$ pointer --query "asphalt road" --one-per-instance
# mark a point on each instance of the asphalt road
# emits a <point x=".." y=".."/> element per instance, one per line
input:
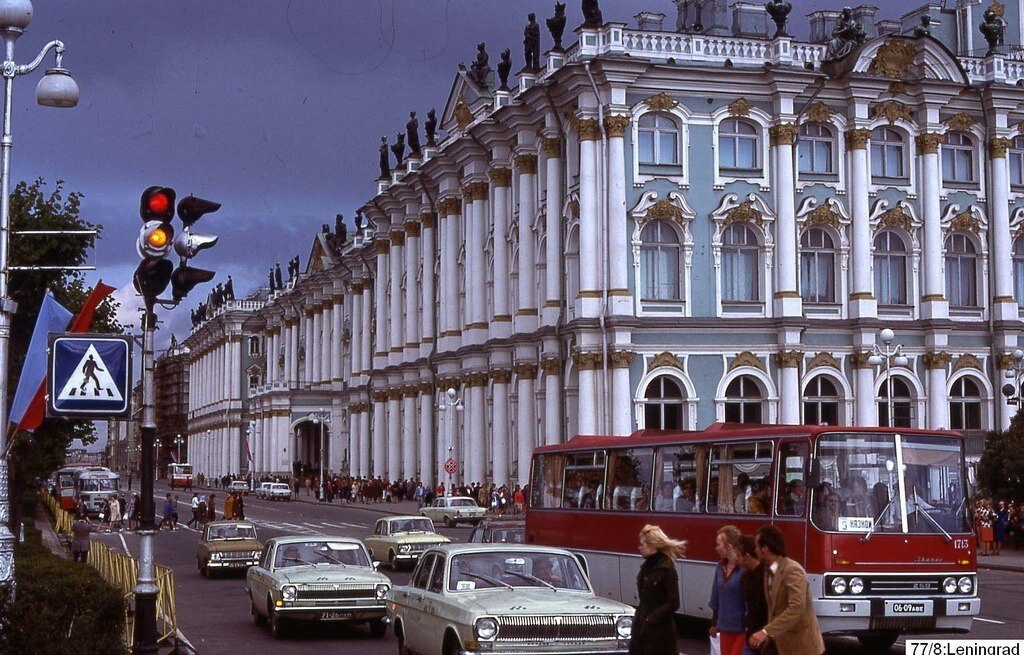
<point x="213" y="614"/>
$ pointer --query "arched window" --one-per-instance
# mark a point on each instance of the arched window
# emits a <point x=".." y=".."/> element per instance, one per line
<point x="740" y="255"/>
<point x="888" y="153"/>
<point x="1016" y="156"/>
<point x="659" y="262"/>
<point x="1018" y="270"/>
<point x="814" y="152"/>
<point x="902" y="404"/>
<point x="890" y="269"/>
<point x="254" y="346"/>
<point x="743" y="401"/>
<point x="957" y="158"/>
<point x="961" y="271"/>
<point x="817" y="266"/>
<point x="663" y="404"/>
<point x="658" y="139"/>
<point x="821" y="402"/>
<point x="965" y="405"/>
<point x="737" y="145"/>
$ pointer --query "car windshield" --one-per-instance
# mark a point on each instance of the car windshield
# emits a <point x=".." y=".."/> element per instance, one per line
<point x="859" y="488"/>
<point x="505" y="569"/>
<point x="320" y="552"/>
<point x="411" y="525"/>
<point x="279" y="486"/>
<point x="508" y="535"/>
<point x="462" y="502"/>
<point x="240" y="531"/>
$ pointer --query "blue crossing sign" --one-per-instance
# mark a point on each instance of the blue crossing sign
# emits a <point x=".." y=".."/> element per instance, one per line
<point x="89" y="376"/>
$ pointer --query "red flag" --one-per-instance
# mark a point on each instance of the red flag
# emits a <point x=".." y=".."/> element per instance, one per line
<point x="36" y="410"/>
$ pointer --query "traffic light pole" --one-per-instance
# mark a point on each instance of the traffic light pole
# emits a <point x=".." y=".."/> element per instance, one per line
<point x="144" y="639"/>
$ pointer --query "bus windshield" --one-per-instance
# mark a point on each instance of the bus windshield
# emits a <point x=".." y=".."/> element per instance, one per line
<point x="180" y="469"/>
<point x="98" y="484"/>
<point x="859" y="488"/>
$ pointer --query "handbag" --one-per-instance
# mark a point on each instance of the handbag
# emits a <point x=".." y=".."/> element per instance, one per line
<point x="715" y="644"/>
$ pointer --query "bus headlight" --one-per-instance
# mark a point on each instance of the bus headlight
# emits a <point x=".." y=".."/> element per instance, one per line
<point x="288" y="592"/>
<point x="965" y="584"/>
<point x="486" y="628"/>
<point x="856" y="585"/>
<point x="839" y="586"/>
<point x="382" y="590"/>
<point x="949" y="585"/>
<point x="624" y="627"/>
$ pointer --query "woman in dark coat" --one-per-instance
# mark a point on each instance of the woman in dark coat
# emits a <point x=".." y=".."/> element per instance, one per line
<point x="657" y="585"/>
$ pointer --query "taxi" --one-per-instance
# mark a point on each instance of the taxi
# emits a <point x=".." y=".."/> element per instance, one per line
<point x="400" y="540"/>
<point x="452" y="510"/>
<point x="508" y="599"/>
<point x="227" y="546"/>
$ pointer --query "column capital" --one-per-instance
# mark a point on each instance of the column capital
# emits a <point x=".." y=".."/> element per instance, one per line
<point x="381" y="245"/>
<point x="500" y="177"/>
<point x="412" y="228"/>
<point x="1005" y="361"/>
<point x="426" y="388"/>
<point x="928" y="143"/>
<point x="525" y="371"/>
<point x="551" y="366"/>
<point x="393" y="394"/>
<point x="475" y="380"/>
<point x="857" y="139"/>
<point x="411" y="391"/>
<point x="788" y="358"/>
<point x="475" y="191"/>
<point x="621" y="358"/>
<point x="937" y="360"/>
<point x="782" y="134"/>
<point x="526" y="164"/>
<point x="501" y="376"/>
<point x="397" y="237"/>
<point x="615" y="125"/>
<point x="551" y="146"/>
<point x="587" y="361"/>
<point x="860" y="360"/>
<point x="379" y="396"/>
<point x="998" y="146"/>
<point x="450" y="206"/>
<point x="589" y="129"/>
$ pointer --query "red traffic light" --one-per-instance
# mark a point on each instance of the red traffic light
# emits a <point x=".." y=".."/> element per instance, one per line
<point x="157" y="204"/>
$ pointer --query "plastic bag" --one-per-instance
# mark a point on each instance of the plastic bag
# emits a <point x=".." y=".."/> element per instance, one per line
<point x="716" y="645"/>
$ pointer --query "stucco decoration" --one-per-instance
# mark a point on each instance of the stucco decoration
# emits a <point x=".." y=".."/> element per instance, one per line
<point x="463" y="114"/>
<point x="673" y="209"/>
<point x="660" y="102"/>
<point x="902" y="217"/>
<point x="1017" y="222"/>
<point x="789" y="358"/>
<point x="892" y="111"/>
<point x="971" y="220"/>
<point x="937" y="360"/>
<point x="739" y="107"/>
<point x="664" y="360"/>
<point x="829" y="214"/>
<point x="967" y="360"/>
<point x="922" y="58"/>
<point x="823" y="359"/>
<point x="751" y="209"/>
<point x="819" y="112"/>
<point x="746" y="358"/>
<point x="893" y="59"/>
<point x="961" y="122"/>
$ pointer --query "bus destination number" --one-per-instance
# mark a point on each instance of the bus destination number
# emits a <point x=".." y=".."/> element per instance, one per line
<point x="908" y="608"/>
<point x="961" y="544"/>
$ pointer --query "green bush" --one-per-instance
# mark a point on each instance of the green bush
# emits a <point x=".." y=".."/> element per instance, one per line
<point x="62" y="607"/>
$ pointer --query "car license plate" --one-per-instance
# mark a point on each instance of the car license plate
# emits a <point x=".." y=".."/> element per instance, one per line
<point x="334" y="616"/>
<point x="907" y="608"/>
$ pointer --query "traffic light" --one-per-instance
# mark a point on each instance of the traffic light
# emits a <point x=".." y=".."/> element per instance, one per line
<point x="156" y="209"/>
<point x="188" y="244"/>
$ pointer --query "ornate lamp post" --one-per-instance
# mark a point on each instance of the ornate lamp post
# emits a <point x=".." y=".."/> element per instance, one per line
<point x="319" y="419"/>
<point x="1015" y="372"/>
<point x="448" y="402"/>
<point x="56" y="89"/>
<point x="178" y="440"/>
<point x="888" y="355"/>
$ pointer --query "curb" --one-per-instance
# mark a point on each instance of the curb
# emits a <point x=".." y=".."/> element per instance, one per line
<point x="1002" y="567"/>
<point x="375" y="507"/>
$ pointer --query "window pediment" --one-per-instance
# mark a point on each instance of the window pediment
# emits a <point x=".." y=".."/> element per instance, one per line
<point x="971" y="220"/>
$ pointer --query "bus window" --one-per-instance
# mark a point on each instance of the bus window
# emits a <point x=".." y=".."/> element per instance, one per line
<point x="629" y="479"/>
<point x="546" y="485"/>
<point x="682" y="476"/>
<point x="792" y="489"/>
<point x="740" y="482"/>
<point x="583" y="487"/>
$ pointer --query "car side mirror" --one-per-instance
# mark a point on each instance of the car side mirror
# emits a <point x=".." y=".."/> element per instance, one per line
<point x="376" y="565"/>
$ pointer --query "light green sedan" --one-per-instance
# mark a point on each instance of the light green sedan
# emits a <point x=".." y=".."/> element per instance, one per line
<point x="317" y="578"/>
<point x="400" y="540"/>
<point x="452" y="510"/>
<point x="505" y="599"/>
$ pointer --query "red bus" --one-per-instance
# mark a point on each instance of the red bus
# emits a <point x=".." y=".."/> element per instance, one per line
<point x="880" y="562"/>
<point x="63" y="486"/>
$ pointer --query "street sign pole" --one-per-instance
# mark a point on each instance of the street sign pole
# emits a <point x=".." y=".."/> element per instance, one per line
<point x="145" y="634"/>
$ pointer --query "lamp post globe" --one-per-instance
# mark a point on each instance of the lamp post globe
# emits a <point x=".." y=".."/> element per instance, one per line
<point x="886" y="335"/>
<point x="15" y="14"/>
<point x="57" y="89"/>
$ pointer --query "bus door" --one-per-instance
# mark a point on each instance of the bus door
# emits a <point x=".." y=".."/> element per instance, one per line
<point x="792" y="492"/>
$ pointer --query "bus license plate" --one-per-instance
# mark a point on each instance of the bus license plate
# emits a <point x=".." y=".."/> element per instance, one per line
<point x="334" y="616"/>
<point x="903" y="608"/>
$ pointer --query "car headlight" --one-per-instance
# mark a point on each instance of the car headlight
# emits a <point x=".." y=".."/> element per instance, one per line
<point x="949" y="585"/>
<point x="486" y="628"/>
<point x="965" y="584"/>
<point x="856" y="585"/>
<point x="382" y="590"/>
<point x="216" y="555"/>
<point x="288" y="592"/>
<point x="254" y="554"/>
<point x="624" y="626"/>
<point x="404" y="548"/>
<point x="839" y="586"/>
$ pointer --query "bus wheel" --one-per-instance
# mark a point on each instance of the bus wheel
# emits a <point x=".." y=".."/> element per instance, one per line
<point x="880" y="641"/>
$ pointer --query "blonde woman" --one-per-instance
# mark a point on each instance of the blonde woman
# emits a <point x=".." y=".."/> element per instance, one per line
<point x="657" y="586"/>
<point x="727" y="621"/>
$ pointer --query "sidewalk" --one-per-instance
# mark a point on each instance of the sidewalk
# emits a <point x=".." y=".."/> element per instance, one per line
<point x="403" y="508"/>
<point x="1008" y="560"/>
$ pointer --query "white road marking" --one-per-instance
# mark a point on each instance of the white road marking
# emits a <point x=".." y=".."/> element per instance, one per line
<point x="978" y="618"/>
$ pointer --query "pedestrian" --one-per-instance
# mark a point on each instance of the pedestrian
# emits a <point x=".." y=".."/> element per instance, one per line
<point x="115" y="513"/>
<point x="135" y="512"/>
<point x="240" y="508"/>
<point x="174" y="512"/>
<point x="168" y="515"/>
<point x="80" y="531"/>
<point x="792" y="624"/>
<point x="999" y="525"/>
<point x="229" y="506"/>
<point x="727" y="604"/>
<point x="211" y="508"/>
<point x="104" y="515"/>
<point x="129" y="482"/>
<point x="657" y="585"/>
<point x="194" y="521"/>
<point x="754" y="602"/>
<point x="202" y="510"/>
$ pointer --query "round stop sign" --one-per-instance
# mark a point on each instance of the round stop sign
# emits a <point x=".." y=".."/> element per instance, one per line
<point x="451" y="466"/>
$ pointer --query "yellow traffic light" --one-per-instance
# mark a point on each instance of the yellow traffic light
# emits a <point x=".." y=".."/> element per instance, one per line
<point x="158" y="238"/>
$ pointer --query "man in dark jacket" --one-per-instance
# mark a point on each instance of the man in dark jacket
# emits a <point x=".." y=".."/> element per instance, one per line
<point x="80" y="531"/>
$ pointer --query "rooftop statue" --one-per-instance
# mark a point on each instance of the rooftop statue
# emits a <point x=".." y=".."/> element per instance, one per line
<point x="846" y="35"/>
<point x="430" y="125"/>
<point x="993" y="27"/>
<point x="531" y="45"/>
<point x="779" y="11"/>
<point x="924" y="29"/>
<point x="277" y="276"/>
<point x="385" y="167"/>
<point x="592" y="16"/>
<point x="480" y="69"/>
<point x="412" y="135"/>
<point x="504" y="66"/>
<point x="556" y="25"/>
<point x="398" y="150"/>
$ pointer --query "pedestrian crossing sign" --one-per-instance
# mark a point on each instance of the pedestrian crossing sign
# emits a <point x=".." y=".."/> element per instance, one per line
<point x="89" y="376"/>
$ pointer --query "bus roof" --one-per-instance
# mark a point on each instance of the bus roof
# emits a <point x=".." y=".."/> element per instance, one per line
<point x="724" y="431"/>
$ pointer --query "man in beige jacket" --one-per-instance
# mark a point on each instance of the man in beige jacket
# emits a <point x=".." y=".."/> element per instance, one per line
<point x="792" y="625"/>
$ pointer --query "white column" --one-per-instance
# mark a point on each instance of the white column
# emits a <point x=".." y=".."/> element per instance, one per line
<point x="380" y="431"/>
<point x="787" y="298"/>
<point x="357" y="331"/>
<point x="552" y="147"/>
<point x="451" y="291"/>
<point x="789" y="387"/>
<point x="289" y="354"/>
<point x="938" y="399"/>
<point x="412" y="292"/>
<point x="622" y="399"/>
<point x="501" y="181"/>
<point x="394" y="424"/>
<point x="473" y="249"/>
<point x="553" y="393"/>
<point x="476" y="431"/>
<point x="354" y="419"/>
<point x="396" y="324"/>
<point x="308" y="351"/>
<point x="864" y="391"/>
<point x="313" y="346"/>
<point x="588" y="364"/>
<point x="380" y="303"/>
<point x="426" y="436"/>
<point x="427" y="327"/>
<point x="236" y="369"/>
<point x="409" y="425"/>
<point x="933" y="303"/>
<point x="1004" y="305"/>
<point x="526" y="312"/>
<point x="500" y="424"/>
<point x="618" y="233"/>
<point x="526" y="418"/>
<point x="366" y="320"/>
<point x="862" y="297"/>
<point x="590" y="132"/>
<point x="324" y="334"/>
<point x="365" y="441"/>
<point x="337" y="351"/>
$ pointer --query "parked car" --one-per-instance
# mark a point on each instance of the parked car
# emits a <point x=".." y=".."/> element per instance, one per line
<point x="452" y="510"/>
<point x="400" y="539"/>
<point x="317" y="578"/>
<point x="274" y="491"/>
<point x="227" y="546"/>
<point x="499" y="531"/>
<point x="240" y="486"/>
<point x="459" y="600"/>
<point x="261" y="489"/>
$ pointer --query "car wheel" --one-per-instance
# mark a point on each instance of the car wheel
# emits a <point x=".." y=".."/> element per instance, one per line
<point x="257" y="618"/>
<point x="402" y="648"/>
<point x="392" y="560"/>
<point x="448" y="522"/>
<point x="204" y="570"/>
<point x="278" y="625"/>
<point x="378" y="628"/>
<point x="879" y="642"/>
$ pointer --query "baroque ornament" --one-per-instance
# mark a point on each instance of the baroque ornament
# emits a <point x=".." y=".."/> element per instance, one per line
<point x="744" y="213"/>
<point x="960" y="122"/>
<point x="823" y="359"/>
<point x="621" y="358"/>
<point x="739" y="107"/>
<point x="857" y="139"/>
<point x="589" y="129"/>
<point x="928" y="143"/>
<point x="660" y="102"/>
<point x="998" y="146"/>
<point x="788" y="358"/>
<point x="616" y="125"/>
<point x="664" y="360"/>
<point x="463" y="115"/>
<point x="891" y="111"/>
<point x="526" y="164"/>
<point x="500" y="177"/>
<point x="895" y="217"/>
<point x="967" y="360"/>
<point x="823" y="215"/>
<point x="937" y="360"/>
<point x="450" y="206"/>
<point x="893" y="59"/>
<point x="782" y="134"/>
<point x="860" y="360"/>
<point x="551" y="146"/>
<point x="664" y="210"/>
<point x="746" y="358"/>
<point x="819" y="112"/>
<point x="965" y="222"/>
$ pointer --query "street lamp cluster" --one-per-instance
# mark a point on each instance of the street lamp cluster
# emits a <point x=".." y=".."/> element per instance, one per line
<point x="1016" y="373"/>
<point x="320" y="419"/>
<point x="888" y="356"/>
<point x="450" y="401"/>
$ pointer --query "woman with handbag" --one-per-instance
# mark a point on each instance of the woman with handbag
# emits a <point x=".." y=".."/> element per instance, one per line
<point x="727" y="604"/>
<point x="657" y="585"/>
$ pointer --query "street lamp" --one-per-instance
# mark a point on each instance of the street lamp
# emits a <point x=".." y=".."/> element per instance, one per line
<point x="320" y="419"/>
<point x="1015" y="372"/>
<point x="888" y="356"/>
<point x="178" y="440"/>
<point x="448" y="400"/>
<point x="56" y="89"/>
<point x="156" y="459"/>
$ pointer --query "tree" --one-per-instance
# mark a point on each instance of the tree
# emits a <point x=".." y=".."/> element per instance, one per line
<point x="34" y="456"/>
<point x="1001" y="469"/>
